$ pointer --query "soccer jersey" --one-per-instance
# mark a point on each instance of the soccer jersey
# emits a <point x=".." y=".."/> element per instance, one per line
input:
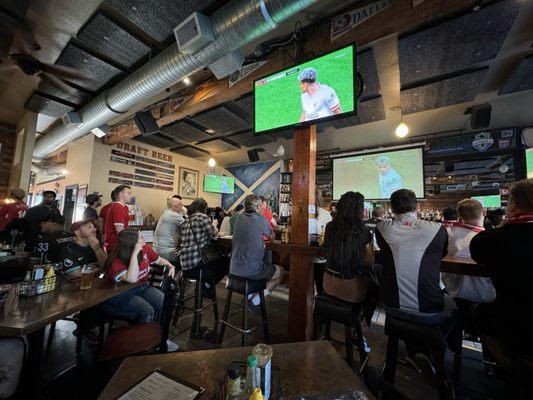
<point x="411" y="253"/>
<point x="389" y="183"/>
<point x="320" y="104"/>
<point x="118" y="269"/>
<point x="117" y="213"/>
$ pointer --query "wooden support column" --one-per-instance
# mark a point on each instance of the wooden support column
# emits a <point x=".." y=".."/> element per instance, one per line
<point x="300" y="326"/>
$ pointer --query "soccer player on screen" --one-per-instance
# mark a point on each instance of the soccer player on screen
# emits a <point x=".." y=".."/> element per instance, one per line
<point x="318" y="100"/>
<point x="389" y="179"/>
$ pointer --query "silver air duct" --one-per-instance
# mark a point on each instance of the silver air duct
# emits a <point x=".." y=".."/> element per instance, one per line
<point x="234" y="25"/>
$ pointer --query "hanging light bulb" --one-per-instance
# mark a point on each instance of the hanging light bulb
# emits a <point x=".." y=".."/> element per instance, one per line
<point x="212" y="162"/>
<point x="402" y="130"/>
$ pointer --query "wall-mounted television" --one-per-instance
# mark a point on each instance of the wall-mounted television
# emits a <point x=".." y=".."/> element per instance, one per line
<point x="377" y="174"/>
<point x="316" y="90"/>
<point x="529" y="163"/>
<point x="492" y="201"/>
<point x="219" y="184"/>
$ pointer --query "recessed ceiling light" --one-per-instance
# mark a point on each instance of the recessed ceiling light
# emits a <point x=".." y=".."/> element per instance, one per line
<point x="211" y="131"/>
<point x="187" y="80"/>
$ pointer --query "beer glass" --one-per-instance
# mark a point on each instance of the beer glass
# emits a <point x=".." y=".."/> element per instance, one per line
<point x="87" y="274"/>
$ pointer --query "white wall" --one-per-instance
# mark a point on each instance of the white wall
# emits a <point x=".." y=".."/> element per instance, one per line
<point x="150" y="200"/>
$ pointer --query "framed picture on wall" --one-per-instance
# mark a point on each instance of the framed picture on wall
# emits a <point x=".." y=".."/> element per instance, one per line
<point x="188" y="183"/>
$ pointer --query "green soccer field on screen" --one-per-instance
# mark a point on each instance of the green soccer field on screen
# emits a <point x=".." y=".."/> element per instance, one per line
<point x="313" y="90"/>
<point x="529" y="162"/>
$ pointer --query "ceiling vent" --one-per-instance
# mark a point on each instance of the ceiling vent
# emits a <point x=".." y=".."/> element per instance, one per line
<point x="194" y="34"/>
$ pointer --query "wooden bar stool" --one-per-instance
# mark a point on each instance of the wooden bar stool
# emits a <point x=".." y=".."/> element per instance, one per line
<point x="329" y="308"/>
<point x="198" y="307"/>
<point x="245" y="287"/>
<point x="429" y="337"/>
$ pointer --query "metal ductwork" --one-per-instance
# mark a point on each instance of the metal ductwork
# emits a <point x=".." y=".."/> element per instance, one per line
<point x="234" y="25"/>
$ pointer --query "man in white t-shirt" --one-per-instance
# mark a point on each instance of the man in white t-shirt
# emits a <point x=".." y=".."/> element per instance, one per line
<point x="318" y="100"/>
<point x="471" y="288"/>
<point x="167" y="231"/>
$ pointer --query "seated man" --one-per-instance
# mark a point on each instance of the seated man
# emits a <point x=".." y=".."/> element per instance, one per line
<point x="506" y="254"/>
<point x="471" y="288"/>
<point x="85" y="249"/>
<point x="53" y="238"/>
<point x="166" y="233"/>
<point x="248" y="250"/>
<point x="411" y="253"/>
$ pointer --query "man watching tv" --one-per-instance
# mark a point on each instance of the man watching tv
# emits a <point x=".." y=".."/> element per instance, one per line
<point x="117" y="216"/>
<point x="318" y="100"/>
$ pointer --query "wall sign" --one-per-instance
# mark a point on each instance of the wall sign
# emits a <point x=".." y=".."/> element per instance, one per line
<point x="345" y="22"/>
<point x="473" y="143"/>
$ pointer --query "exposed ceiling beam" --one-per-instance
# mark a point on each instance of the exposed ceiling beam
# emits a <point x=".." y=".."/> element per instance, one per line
<point x="399" y="17"/>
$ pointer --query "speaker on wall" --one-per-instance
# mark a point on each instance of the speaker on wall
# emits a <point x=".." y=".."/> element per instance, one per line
<point x="146" y="123"/>
<point x="253" y="155"/>
<point x="480" y="116"/>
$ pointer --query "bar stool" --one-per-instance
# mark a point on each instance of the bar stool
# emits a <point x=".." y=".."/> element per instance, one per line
<point x="198" y="307"/>
<point x="329" y="308"/>
<point x="429" y="337"/>
<point x="245" y="287"/>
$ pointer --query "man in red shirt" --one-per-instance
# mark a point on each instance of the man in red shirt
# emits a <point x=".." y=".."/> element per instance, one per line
<point x="15" y="210"/>
<point x="117" y="216"/>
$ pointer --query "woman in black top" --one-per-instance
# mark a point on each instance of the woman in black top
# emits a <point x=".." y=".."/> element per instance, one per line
<point x="347" y="246"/>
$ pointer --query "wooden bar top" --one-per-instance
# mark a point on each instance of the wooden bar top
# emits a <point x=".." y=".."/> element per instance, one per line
<point x="20" y="316"/>
<point x="307" y="368"/>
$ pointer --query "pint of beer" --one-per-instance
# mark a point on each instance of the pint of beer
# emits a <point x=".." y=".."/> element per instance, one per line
<point x="87" y="274"/>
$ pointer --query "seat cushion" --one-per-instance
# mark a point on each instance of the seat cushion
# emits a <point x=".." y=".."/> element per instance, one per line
<point x="238" y="284"/>
<point x="330" y="308"/>
<point x="130" y="340"/>
<point x="423" y="335"/>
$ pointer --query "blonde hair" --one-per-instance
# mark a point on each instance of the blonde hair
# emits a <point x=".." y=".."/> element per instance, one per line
<point x="469" y="209"/>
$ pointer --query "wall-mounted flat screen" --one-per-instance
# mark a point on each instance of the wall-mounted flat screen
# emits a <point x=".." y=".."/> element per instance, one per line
<point x="322" y="88"/>
<point x="377" y="175"/>
<point x="493" y="201"/>
<point x="219" y="184"/>
<point x="529" y="163"/>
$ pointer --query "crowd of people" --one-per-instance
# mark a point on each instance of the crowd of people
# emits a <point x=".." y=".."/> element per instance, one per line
<point x="406" y="269"/>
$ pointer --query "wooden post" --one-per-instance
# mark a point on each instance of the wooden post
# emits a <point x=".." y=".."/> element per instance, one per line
<point x="301" y="293"/>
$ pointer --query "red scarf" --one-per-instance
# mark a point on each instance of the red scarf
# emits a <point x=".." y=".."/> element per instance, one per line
<point x="521" y="219"/>
<point x="464" y="225"/>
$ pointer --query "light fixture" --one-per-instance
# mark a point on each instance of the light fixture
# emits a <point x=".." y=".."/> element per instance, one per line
<point x="212" y="163"/>
<point x="101" y="131"/>
<point x="64" y="172"/>
<point x="187" y="80"/>
<point x="402" y="130"/>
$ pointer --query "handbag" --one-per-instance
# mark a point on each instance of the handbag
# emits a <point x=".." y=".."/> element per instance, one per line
<point x="210" y="252"/>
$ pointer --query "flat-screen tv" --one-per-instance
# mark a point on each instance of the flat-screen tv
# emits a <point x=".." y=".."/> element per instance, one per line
<point x="492" y="201"/>
<point x="323" y="88"/>
<point x="529" y="163"/>
<point x="219" y="184"/>
<point x="377" y="174"/>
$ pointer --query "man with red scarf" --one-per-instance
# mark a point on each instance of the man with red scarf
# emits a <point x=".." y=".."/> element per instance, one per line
<point x="507" y="254"/>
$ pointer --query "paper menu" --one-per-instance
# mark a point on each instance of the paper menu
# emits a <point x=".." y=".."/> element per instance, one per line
<point x="157" y="386"/>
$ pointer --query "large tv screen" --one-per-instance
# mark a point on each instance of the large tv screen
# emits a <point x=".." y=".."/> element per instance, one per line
<point x="492" y="201"/>
<point x="377" y="175"/>
<point x="219" y="184"/>
<point x="322" y="88"/>
<point x="529" y="163"/>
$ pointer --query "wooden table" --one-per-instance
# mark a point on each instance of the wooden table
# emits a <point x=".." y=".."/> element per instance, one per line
<point x="462" y="266"/>
<point x="307" y="368"/>
<point x="29" y="316"/>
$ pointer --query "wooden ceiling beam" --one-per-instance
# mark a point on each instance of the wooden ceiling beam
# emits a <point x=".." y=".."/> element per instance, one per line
<point x="399" y="17"/>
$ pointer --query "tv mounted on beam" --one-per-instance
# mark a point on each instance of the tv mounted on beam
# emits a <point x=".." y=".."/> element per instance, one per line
<point x="321" y="89"/>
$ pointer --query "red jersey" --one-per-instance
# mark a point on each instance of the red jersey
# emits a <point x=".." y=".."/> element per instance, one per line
<point x="103" y="212"/>
<point x="117" y="213"/>
<point x="118" y="269"/>
<point x="12" y="211"/>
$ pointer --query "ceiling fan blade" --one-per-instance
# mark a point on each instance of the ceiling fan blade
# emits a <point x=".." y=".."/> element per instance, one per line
<point x="65" y="72"/>
<point x="57" y="82"/>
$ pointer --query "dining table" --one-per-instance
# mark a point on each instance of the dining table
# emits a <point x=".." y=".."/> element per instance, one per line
<point x="29" y="316"/>
<point x="303" y="370"/>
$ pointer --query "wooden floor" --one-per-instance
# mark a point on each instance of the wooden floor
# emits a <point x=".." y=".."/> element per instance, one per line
<point x="87" y="378"/>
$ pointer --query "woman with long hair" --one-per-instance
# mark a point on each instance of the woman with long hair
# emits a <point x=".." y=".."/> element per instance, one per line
<point x="130" y="262"/>
<point x="347" y="246"/>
